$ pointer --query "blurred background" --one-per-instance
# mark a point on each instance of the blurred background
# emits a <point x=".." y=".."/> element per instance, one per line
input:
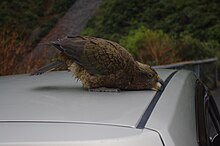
<point x="155" y="32"/>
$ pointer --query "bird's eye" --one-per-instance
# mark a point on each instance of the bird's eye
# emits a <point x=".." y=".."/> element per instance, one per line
<point x="149" y="75"/>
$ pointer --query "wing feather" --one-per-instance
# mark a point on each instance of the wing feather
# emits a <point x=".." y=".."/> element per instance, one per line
<point x="96" y="55"/>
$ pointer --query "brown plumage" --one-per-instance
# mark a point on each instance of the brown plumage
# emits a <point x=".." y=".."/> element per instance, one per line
<point x="102" y="63"/>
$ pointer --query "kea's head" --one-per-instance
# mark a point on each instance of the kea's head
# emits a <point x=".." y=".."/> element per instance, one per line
<point x="148" y="78"/>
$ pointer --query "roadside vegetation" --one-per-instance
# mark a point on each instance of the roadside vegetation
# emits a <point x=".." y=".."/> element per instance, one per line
<point x="160" y="32"/>
<point x="154" y="31"/>
<point x="22" y="25"/>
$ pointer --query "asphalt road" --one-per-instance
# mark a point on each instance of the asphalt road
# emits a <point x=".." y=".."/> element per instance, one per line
<point x="72" y="23"/>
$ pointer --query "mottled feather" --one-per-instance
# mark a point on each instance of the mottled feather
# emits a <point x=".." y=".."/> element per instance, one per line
<point x="102" y="63"/>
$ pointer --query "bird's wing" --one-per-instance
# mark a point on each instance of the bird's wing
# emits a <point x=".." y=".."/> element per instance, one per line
<point x="49" y="67"/>
<point x="73" y="47"/>
<point x="97" y="56"/>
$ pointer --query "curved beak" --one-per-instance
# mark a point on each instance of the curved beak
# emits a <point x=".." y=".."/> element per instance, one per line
<point x="159" y="86"/>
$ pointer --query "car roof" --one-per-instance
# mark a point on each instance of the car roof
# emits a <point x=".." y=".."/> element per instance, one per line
<point x="174" y="114"/>
<point x="58" y="97"/>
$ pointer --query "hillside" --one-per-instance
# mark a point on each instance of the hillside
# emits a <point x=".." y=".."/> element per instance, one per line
<point x="182" y="30"/>
<point x="154" y="31"/>
<point x="197" y="18"/>
<point x="23" y="24"/>
<point x="32" y="19"/>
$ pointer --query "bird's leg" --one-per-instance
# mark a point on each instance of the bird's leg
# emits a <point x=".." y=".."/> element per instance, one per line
<point x="104" y="89"/>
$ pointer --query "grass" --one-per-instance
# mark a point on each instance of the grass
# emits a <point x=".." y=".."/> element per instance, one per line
<point x="12" y="51"/>
<point x="22" y="25"/>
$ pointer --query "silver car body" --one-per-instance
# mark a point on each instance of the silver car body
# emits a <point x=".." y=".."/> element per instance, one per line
<point x="54" y="109"/>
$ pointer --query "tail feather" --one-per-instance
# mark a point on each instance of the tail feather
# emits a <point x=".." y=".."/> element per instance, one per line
<point x="49" y="67"/>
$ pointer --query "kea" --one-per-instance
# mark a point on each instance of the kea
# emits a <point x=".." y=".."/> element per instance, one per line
<point x="102" y="65"/>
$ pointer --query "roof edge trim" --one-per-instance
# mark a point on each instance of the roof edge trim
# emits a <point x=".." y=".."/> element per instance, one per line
<point x="150" y="108"/>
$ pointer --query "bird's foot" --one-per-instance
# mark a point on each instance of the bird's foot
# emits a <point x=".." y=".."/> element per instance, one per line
<point x="103" y="89"/>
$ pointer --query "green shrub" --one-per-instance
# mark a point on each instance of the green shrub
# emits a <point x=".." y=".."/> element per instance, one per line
<point x="193" y="49"/>
<point x="134" y="40"/>
<point x="152" y="47"/>
<point x="200" y="19"/>
<point x="157" y="47"/>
